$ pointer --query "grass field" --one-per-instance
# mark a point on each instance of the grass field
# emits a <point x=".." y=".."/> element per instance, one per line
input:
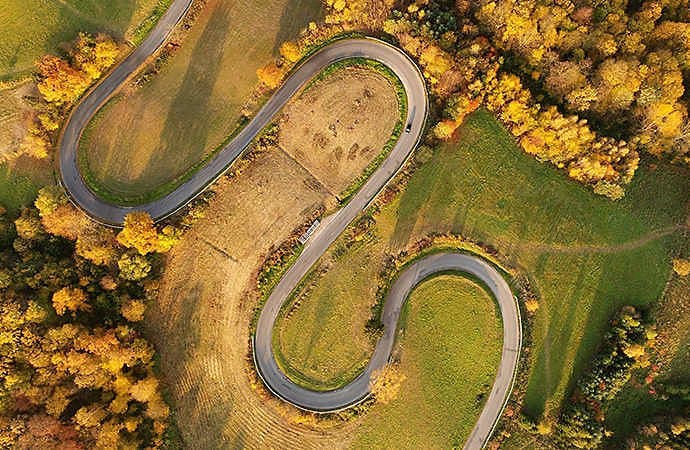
<point x="32" y="28"/>
<point x="450" y="350"/>
<point x="189" y="108"/>
<point x="586" y="255"/>
<point x="200" y="321"/>
<point x="20" y="182"/>
<point x="15" y="190"/>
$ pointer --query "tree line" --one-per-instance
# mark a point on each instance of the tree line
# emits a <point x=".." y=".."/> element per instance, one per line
<point x="586" y="85"/>
<point x="75" y="369"/>
<point x="60" y="81"/>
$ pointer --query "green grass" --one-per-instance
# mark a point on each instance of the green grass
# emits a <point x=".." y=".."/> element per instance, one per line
<point x="320" y="344"/>
<point x="16" y="190"/>
<point x="586" y="255"/>
<point x="32" y="28"/>
<point x="451" y="348"/>
<point x="579" y="248"/>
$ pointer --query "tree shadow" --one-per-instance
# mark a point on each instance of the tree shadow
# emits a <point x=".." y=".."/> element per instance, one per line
<point x="414" y="200"/>
<point x="549" y="366"/>
<point x="186" y="126"/>
<point x="291" y="24"/>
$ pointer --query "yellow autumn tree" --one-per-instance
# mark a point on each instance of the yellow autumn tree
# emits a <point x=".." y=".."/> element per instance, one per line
<point x="386" y="384"/>
<point x="444" y="130"/>
<point x="139" y="232"/>
<point x="60" y="82"/>
<point x="66" y="221"/>
<point x="133" y="310"/>
<point x="35" y="146"/>
<point x="270" y="75"/>
<point x="70" y="299"/>
<point x="93" y="55"/>
<point x="290" y="51"/>
<point x="435" y="62"/>
<point x="97" y="244"/>
<point x="681" y="266"/>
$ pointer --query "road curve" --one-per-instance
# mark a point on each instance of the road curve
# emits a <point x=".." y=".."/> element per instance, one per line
<point x="112" y="214"/>
<point x="331" y="227"/>
<point x="359" y="388"/>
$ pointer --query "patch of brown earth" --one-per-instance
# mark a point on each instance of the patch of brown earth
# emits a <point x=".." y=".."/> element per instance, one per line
<point x="339" y="125"/>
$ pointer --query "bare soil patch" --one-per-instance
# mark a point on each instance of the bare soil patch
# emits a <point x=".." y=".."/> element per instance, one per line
<point x="15" y="112"/>
<point x="335" y="128"/>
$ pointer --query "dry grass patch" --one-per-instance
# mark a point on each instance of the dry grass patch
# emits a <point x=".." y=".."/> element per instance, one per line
<point x="15" y="112"/>
<point x="673" y="322"/>
<point x="340" y="124"/>
<point x="201" y="320"/>
<point x="153" y="135"/>
<point x="200" y="323"/>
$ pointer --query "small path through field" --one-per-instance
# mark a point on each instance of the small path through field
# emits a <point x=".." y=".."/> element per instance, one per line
<point x="415" y="88"/>
<point x="604" y="249"/>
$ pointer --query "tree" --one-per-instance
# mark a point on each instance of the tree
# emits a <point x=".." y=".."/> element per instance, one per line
<point x="35" y="146"/>
<point x="28" y="226"/>
<point x="133" y="310"/>
<point x="133" y="267"/>
<point x="46" y="432"/>
<point x="139" y="233"/>
<point x="168" y="238"/>
<point x="97" y="245"/>
<point x="66" y="221"/>
<point x="564" y="77"/>
<point x="386" y="384"/>
<point x="617" y="81"/>
<point x="60" y="83"/>
<point x="444" y="130"/>
<point x="49" y="199"/>
<point x="290" y="51"/>
<point x="70" y="299"/>
<point x="532" y="305"/>
<point x="436" y="62"/>
<point x="270" y="75"/>
<point x="610" y="190"/>
<point x="681" y="266"/>
<point x="65" y="381"/>
<point x="93" y="55"/>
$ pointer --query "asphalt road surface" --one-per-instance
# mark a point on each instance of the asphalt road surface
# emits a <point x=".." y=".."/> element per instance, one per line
<point x="358" y="389"/>
<point x="330" y="228"/>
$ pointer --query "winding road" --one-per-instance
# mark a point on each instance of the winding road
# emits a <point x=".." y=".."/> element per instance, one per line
<point x="330" y="228"/>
